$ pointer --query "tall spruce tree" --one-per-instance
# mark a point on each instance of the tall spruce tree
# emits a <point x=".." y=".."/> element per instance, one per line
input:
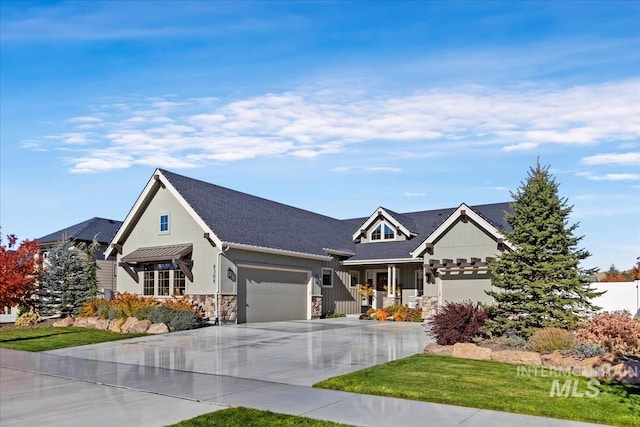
<point x="63" y="289"/>
<point x="540" y="283"/>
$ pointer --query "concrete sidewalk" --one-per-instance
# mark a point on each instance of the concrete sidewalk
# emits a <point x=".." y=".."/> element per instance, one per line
<point x="105" y="384"/>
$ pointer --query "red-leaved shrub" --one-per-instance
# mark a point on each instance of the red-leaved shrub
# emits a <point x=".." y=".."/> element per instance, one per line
<point x="457" y="322"/>
<point x="617" y="332"/>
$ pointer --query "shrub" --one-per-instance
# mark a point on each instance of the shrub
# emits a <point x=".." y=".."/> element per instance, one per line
<point x="550" y="339"/>
<point x="457" y="322"/>
<point x="142" y="312"/>
<point x="27" y="319"/>
<point x="183" y="320"/>
<point x="335" y="315"/>
<point x="516" y="341"/>
<point x="128" y="303"/>
<point x="371" y="311"/>
<point x="92" y="307"/>
<point x="176" y="319"/>
<point x="616" y="332"/>
<point x="103" y="310"/>
<point x="382" y="314"/>
<point x="584" y="351"/>
<point x="402" y="313"/>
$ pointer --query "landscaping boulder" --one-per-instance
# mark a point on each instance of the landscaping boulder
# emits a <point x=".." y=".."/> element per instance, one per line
<point x="115" y="325"/>
<point x="558" y="360"/>
<point x="140" y="327"/>
<point x="158" y="328"/>
<point x="102" y="324"/>
<point x="517" y="357"/>
<point x="471" y="351"/>
<point x="438" y="350"/>
<point x="85" y="322"/>
<point x="127" y="324"/>
<point x="627" y="372"/>
<point x="67" y="321"/>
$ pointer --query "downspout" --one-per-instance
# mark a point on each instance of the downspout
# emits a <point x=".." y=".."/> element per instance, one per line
<point x="218" y="279"/>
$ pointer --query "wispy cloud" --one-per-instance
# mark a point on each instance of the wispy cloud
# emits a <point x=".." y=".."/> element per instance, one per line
<point x="613" y="159"/>
<point x="610" y="176"/>
<point x="309" y="123"/>
<point x="365" y="169"/>
<point x="413" y="194"/>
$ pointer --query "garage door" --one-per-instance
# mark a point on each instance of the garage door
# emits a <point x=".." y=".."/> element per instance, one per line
<point x="457" y="289"/>
<point x="271" y="295"/>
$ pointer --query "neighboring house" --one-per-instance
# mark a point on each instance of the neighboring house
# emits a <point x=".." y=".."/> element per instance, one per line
<point x="103" y="231"/>
<point x="249" y="259"/>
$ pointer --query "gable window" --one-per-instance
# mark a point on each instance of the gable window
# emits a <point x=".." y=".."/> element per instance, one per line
<point x="164" y="223"/>
<point x="355" y="278"/>
<point x="383" y="232"/>
<point x="327" y="277"/>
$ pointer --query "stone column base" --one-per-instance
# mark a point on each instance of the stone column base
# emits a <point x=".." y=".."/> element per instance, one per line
<point x="316" y="306"/>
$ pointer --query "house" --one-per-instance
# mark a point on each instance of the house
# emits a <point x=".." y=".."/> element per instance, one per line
<point x="103" y="231"/>
<point x="249" y="259"/>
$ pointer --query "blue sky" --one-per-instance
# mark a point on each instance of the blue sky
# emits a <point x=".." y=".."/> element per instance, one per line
<point x="335" y="107"/>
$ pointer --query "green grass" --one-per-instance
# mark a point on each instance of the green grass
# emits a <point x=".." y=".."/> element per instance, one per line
<point x="493" y="385"/>
<point x="245" y="417"/>
<point x="50" y="338"/>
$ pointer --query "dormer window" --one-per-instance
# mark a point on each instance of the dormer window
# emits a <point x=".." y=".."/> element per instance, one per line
<point x="383" y="232"/>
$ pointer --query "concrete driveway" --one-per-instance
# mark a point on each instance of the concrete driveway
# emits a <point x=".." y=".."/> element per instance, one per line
<point x="159" y="380"/>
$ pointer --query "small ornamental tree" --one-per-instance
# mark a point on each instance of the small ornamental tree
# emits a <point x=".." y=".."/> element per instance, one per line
<point x="540" y="282"/>
<point x="19" y="272"/>
<point x="63" y="289"/>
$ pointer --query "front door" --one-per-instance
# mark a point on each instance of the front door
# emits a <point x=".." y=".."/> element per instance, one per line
<point x="382" y="280"/>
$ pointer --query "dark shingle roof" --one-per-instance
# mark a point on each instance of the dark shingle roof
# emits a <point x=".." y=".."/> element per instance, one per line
<point x="103" y="230"/>
<point x="426" y="222"/>
<point x="237" y="217"/>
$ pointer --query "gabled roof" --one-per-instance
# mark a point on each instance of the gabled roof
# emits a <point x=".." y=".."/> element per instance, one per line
<point x="400" y="221"/>
<point x="428" y="224"/>
<point x="239" y="220"/>
<point x="101" y="228"/>
<point x="248" y="222"/>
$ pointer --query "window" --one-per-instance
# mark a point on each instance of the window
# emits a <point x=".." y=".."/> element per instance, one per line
<point x="164" y="223"/>
<point x="383" y="232"/>
<point x="420" y="282"/>
<point x="163" y="283"/>
<point x="149" y="283"/>
<point x="179" y="284"/>
<point x="327" y="277"/>
<point x="355" y="278"/>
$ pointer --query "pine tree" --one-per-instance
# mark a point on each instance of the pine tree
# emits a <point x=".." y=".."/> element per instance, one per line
<point x="63" y="289"/>
<point x="91" y="267"/>
<point x="540" y="283"/>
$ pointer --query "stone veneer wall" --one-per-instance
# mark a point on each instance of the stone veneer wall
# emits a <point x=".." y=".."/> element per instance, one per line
<point x="206" y="305"/>
<point x="228" y="304"/>
<point x="316" y="306"/>
<point x="429" y="306"/>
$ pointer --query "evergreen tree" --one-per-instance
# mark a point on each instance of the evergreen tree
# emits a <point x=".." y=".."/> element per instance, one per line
<point x="63" y="289"/>
<point x="91" y="267"/>
<point x="540" y="282"/>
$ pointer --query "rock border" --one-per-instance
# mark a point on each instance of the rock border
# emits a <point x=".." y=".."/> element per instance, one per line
<point x="129" y="326"/>
<point x="608" y="366"/>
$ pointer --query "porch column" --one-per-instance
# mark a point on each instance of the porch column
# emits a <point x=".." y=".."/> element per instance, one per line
<point x="391" y="286"/>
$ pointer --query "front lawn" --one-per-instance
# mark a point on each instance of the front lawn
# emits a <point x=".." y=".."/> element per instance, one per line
<point x="50" y="338"/>
<point x="245" y="417"/>
<point x="496" y="386"/>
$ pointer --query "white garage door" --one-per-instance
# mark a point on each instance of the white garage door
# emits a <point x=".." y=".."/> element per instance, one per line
<point x="271" y="295"/>
<point x="456" y="289"/>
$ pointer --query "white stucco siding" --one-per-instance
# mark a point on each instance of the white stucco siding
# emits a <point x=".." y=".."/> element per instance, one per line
<point x="183" y="229"/>
<point x="464" y="240"/>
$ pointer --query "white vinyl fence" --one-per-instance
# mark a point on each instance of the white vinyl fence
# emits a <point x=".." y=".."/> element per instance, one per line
<point x="619" y="296"/>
